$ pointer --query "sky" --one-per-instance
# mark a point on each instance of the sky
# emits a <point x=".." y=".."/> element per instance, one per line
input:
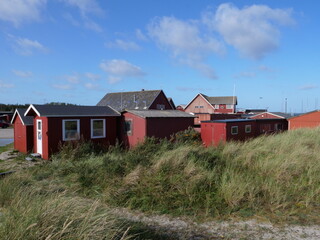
<point x="266" y="53"/>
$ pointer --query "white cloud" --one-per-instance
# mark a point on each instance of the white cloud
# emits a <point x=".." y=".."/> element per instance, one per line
<point x="91" y="86"/>
<point x="140" y="35"/>
<point x="62" y="86"/>
<point x="265" y="68"/>
<point x="184" y="40"/>
<point x="253" y="30"/>
<point x="19" y="11"/>
<point x="92" y="76"/>
<point x="308" y="87"/>
<point x="246" y="75"/>
<point x="85" y="7"/>
<point x="23" y="74"/>
<point x="72" y="78"/>
<point x="125" y="45"/>
<point x="119" y="69"/>
<point x="5" y="85"/>
<point x="25" y="46"/>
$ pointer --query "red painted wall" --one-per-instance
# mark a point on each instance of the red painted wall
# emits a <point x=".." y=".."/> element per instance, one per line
<point x="242" y="135"/>
<point x="199" y="101"/>
<point x="309" y="120"/>
<point x="23" y="136"/>
<point x="213" y="133"/>
<point x="151" y="127"/>
<point x="52" y="132"/>
<point x="267" y="126"/>
<point x="161" y="99"/>
<point x="165" y="127"/>
<point x="138" y="132"/>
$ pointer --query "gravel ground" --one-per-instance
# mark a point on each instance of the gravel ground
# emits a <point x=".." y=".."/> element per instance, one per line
<point x="188" y="230"/>
<point x="6" y="133"/>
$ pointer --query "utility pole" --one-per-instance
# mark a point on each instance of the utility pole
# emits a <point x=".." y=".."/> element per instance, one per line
<point x="285" y="105"/>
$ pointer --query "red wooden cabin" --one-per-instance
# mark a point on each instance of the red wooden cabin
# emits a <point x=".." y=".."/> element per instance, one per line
<point x="22" y="131"/>
<point x="55" y="124"/>
<point x="307" y="120"/>
<point x="136" y="125"/>
<point x="221" y="131"/>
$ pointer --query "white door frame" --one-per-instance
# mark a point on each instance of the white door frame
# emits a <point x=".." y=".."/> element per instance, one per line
<point x="39" y="136"/>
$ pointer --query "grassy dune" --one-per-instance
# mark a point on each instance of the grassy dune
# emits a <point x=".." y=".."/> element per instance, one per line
<point x="274" y="177"/>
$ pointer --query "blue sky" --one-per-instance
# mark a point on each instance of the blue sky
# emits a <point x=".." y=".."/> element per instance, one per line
<point x="78" y="50"/>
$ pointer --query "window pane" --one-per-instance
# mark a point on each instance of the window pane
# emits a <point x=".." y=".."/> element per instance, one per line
<point x="128" y="126"/>
<point x="97" y="128"/>
<point x="71" y="130"/>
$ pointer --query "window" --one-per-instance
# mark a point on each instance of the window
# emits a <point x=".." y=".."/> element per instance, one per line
<point x="278" y="126"/>
<point x="248" y="128"/>
<point x="198" y="106"/>
<point x="98" y="128"/>
<point x="229" y="106"/>
<point x="234" y="130"/>
<point x="70" y="130"/>
<point x="160" y="106"/>
<point x="128" y="127"/>
<point x="216" y="106"/>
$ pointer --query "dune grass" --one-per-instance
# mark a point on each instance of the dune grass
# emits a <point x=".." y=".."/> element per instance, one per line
<point x="274" y="177"/>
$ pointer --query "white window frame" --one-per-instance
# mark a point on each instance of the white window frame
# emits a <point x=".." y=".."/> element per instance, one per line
<point x="245" y="128"/>
<point x="104" y="128"/>
<point x="64" y="131"/>
<point x="229" y="106"/>
<point x="234" y="127"/>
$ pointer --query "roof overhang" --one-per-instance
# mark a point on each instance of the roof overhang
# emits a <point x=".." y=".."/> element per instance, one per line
<point x="31" y="109"/>
<point x="16" y="113"/>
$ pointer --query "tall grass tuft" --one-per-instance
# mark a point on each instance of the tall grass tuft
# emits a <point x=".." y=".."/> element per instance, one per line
<point x="28" y="213"/>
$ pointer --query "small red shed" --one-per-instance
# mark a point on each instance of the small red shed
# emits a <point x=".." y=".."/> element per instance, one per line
<point x="54" y="124"/>
<point x="22" y="131"/>
<point x="136" y="125"/>
<point x="221" y="131"/>
<point x="307" y="120"/>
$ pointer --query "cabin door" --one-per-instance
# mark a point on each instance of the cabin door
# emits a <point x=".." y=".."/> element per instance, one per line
<point x="39" y="136"/>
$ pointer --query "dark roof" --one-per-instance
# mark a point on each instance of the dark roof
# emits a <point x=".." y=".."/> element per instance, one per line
<point x="129" y="100"/>
<point x="26" y="120"/>
<point x="281" y="114"/>
<point x="171" y="103"/>
<point x="301" y="114"/>
<point x="255" y="111"/>
<point x="161" y="113"/>
<point x="72" y="111"/>
<point x="231" y="120"/>
<point x="221" y="100"/>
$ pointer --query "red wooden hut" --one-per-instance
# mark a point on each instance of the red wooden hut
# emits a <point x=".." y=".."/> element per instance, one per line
<point x="22" y="131"/>
<point x="221" y="131"/>
<point x="307" y="120"/>
<point x="54" y="124"/>
<point x="136" y="125"/>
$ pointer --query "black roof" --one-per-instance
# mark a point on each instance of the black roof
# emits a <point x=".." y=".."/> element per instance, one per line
<point x="129" y="100"/>
<point x="161" y="113"/>
<point x="26" y="120"/>
<point x="72" y="111"/>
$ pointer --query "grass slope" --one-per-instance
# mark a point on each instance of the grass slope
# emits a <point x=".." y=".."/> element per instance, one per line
<point x="276" y="177"/>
